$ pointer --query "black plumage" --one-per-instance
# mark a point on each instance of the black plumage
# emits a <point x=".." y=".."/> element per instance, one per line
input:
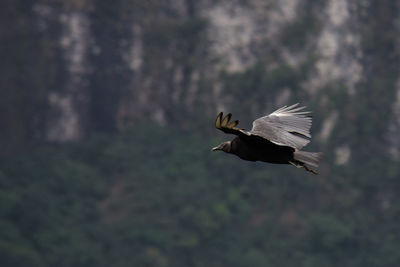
<point x="275" y="138"/>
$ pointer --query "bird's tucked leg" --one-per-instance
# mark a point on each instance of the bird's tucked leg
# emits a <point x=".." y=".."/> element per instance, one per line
<point x="299" y="164"/>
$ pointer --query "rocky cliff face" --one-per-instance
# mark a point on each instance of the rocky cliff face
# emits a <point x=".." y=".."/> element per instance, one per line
<point x="112" y="66"/>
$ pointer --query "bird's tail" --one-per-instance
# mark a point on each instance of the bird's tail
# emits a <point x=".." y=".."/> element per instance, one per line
<point x="303" y="158"/>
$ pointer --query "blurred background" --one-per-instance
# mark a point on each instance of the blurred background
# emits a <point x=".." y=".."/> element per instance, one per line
<point x="107" y="113"/>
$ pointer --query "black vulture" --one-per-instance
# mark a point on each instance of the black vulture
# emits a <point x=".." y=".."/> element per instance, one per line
<point x="275" y="138"/>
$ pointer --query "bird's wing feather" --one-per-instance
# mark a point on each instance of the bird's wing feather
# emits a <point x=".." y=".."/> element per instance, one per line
<point x="224" y="124"/>
<point x="287" y="126"/>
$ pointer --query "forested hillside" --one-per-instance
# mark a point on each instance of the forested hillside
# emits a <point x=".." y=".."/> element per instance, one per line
<point x="107" y="121"/>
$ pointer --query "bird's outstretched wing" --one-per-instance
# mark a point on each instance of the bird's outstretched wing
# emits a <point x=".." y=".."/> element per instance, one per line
<point x="224" y="124"/>
<point x="287" y="126"/>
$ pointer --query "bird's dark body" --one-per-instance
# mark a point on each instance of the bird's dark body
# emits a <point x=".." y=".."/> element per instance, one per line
<point x="261" y="150"/>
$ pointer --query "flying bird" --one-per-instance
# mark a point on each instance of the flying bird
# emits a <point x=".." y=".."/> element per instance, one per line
<point x="275" y="138"/>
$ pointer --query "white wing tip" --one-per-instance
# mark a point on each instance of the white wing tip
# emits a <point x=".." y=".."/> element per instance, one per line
<point x="291" y="110"/>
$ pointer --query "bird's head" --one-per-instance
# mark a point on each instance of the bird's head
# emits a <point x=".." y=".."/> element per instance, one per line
<point x="225" y="146"/>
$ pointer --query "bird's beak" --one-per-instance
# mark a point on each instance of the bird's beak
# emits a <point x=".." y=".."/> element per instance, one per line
<point x="216" y="148"/>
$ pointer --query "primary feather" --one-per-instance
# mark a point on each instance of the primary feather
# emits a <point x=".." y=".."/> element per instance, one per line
<point x="287" y="126"/>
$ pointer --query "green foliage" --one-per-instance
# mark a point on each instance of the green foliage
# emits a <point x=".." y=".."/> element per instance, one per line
<point x="257" y="88"/>
<point x="156" y="196"/>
